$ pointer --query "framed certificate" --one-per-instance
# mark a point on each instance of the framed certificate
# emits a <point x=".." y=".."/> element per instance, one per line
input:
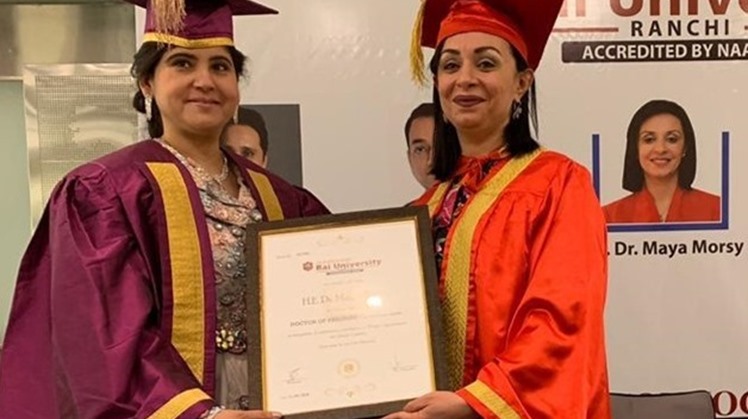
<point x="343" y="314"/>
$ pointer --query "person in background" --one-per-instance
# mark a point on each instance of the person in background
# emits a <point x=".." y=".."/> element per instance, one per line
<point x="130" y="299"/>
<point x="419" y="138"/>
<point x="519" y="234"/>
<point x="248" y="137"/>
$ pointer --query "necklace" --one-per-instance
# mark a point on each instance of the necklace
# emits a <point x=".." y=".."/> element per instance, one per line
<point x="224" y="170"/>
<point x="218" y="178"/>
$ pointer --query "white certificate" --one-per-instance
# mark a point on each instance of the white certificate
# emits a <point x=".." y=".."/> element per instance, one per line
<point x="344" y="314"/>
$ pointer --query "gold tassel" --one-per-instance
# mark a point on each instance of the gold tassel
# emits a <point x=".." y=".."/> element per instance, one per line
<point x="416" y="53"/>
<point x="169" y="15"/>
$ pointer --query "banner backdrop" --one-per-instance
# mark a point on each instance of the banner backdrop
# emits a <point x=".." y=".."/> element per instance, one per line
<point x="677" y="313"/>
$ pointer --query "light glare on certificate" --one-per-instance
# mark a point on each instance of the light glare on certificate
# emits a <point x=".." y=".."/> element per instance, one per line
<point x="374" y="301"/>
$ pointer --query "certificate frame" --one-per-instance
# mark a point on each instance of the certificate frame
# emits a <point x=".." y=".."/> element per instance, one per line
<point x="256" y="307"/>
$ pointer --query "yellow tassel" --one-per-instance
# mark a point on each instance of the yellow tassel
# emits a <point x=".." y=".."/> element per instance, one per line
<point x="416" y="53"/>
<point x="169" y="16"/>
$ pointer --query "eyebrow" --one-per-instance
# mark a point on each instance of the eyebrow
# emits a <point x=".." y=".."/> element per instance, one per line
<point x="677" y="131"/>
<point x="220" y="57"/>
<point x="194" y="57"/>
<point x="478" y="50"/>
<point x="181" y="55"/>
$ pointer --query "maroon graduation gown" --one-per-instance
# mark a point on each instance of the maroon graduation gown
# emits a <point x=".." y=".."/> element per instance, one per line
<point x="114" y="309"/>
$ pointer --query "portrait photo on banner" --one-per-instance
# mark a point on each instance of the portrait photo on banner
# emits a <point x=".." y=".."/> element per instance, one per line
<point x="659" y="169"/>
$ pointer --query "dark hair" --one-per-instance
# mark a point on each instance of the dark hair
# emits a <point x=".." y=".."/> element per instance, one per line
<point x="424" y="110"/>
<point x="254" y="120"/>
<point x="144" y="67"/>
<point x="633" y="174"/>
<point x="517" y="133"/>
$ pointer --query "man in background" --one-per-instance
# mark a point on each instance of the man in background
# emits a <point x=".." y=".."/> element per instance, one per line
<point x="419" y="137"/>
<point x="248" y="137"/>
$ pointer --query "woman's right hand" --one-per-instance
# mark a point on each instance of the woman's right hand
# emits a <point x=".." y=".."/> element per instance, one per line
<point x="247" y="414"/>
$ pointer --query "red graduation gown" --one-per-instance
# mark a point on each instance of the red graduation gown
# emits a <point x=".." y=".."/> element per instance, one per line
<point x="524" y="281"/>
<point x="114" y="310"/>
<point x="686" y="206"/>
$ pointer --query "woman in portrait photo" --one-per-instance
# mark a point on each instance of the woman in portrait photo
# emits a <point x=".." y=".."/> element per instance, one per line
<point x="659" y="169"/>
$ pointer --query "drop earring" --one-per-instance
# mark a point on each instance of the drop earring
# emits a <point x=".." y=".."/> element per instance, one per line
<point x="148" y="108"/>
<point x="516" y="110"/>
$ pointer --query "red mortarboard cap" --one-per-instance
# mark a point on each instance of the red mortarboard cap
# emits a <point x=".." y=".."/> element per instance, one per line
<point x="525" y="24"/>
<point x="195" y="23"/>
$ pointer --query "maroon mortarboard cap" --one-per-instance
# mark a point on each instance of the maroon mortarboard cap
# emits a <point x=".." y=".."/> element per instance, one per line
<point x="524" y="24"/>
<point x="195" y="23"/>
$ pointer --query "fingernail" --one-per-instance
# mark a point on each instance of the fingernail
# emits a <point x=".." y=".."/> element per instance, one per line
<point x="276" y="415"/>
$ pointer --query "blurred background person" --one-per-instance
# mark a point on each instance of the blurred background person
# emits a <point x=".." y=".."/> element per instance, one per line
<point x="419" y="138"/>
<point x="248" y="136"/>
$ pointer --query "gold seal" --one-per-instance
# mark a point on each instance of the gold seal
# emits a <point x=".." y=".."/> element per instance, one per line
<point x="348" y="368"/>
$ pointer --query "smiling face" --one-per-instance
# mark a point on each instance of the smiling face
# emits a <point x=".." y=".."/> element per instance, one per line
<point x="661" y="146"/>
<point x="196" y="90"/>
<point x="477" y="81"/>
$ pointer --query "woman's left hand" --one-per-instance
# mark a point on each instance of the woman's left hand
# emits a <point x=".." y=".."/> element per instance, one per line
<point x="437" y="405"/>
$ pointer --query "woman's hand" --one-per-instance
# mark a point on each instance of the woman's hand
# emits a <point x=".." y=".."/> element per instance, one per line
<point x="247" y="414"/>
<point x="437" y="405"/>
